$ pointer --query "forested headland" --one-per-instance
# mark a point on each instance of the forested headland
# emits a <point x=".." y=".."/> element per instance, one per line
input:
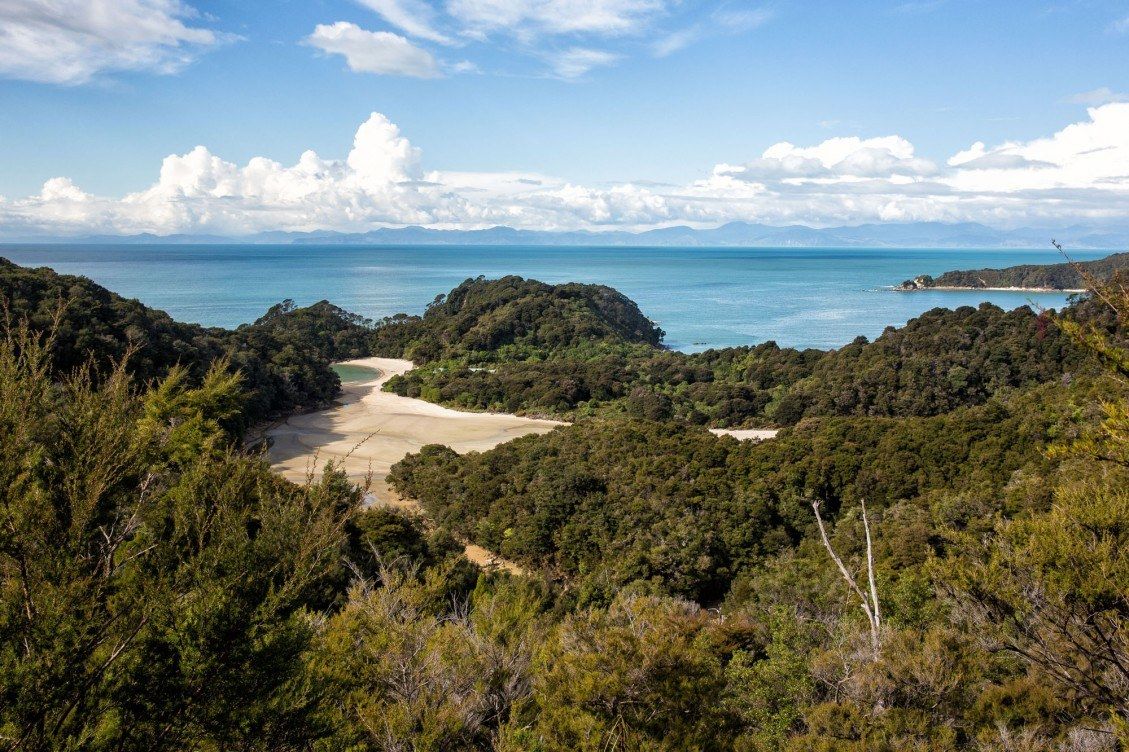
<point x="1074" y="275"/>
<point x="933" y="554"/>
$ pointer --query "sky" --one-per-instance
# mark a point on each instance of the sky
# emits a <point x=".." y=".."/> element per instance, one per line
<point x="234" y="117"/>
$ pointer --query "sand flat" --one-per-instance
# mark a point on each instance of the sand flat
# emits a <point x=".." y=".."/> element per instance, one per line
<point x="746" y="434"/>
<point x="371" y="430"/>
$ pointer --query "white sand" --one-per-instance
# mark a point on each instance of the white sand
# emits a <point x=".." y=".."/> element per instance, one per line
<point x="372" y="430"/>
<point x="746" y="434"/>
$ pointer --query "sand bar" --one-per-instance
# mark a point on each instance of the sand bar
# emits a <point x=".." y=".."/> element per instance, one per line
<point x="369" y="429"/>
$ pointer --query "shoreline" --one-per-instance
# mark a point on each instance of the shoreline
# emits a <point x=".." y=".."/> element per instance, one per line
<point x="369" y="430"/>
<point x="951" y="288"/>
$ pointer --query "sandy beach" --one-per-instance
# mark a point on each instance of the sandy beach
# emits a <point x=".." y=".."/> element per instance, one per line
<point x="371" y="430"/>
<point x="746" y="434"/>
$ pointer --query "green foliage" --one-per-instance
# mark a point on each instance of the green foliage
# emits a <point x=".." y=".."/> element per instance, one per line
<point x="188" y="423"/>
<point x="160" y="589"/>
<point x="555" y="386"/>
<point x="403" y="672"/>
<point x="938" y="362"/>
<point x="380" y="535"/>
<point x="769" y="692"/>
<point x="526" y="316"/>
<point x="323" y="328"/>
<point x="607" y="503"/>
<point x="154" y="586"/>
<point x="1053" y="588"/>
<point x="646" y="674"/>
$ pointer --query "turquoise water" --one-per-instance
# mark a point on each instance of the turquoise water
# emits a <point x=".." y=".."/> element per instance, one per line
<point x="350" y="374"/>
<point x="702" y="297"/>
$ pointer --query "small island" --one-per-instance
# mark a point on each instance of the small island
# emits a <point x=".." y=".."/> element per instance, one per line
<point x="1064" y="277"/>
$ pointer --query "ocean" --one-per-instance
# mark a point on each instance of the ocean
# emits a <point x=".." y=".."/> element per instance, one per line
<point x="702" y="297"/>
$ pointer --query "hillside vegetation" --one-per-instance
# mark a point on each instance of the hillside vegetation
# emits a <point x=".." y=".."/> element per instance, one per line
<point x="608" y="504"/>
<point x="514" y="317"/>
<point x="989" y="520"/>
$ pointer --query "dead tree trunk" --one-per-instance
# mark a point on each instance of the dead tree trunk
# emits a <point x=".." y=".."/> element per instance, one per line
<point x="868" y="601"/>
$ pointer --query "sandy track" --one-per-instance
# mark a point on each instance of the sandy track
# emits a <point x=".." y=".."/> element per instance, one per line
<point x="370" y="429"/>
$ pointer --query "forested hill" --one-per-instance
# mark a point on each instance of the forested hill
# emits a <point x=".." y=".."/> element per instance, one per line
<point x="523" y="317"/>
<point x="283" y="357"/>
<point x="1065" y="276"/>
<point x="986" y="512"/>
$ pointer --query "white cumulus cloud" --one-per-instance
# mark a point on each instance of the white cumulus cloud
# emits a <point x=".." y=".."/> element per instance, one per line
<point x="1080" y="172"/>
<point x="62" y="189"/>
<point x="71" y="42"/>
<point x="1088" y="155"/>
<point x="379" y="52"/>
<point x="848" y="157"/>
<point x="381" y="155"/>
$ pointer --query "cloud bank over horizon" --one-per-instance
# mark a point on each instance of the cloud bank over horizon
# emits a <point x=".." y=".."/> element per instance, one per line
<point x="1077" y="174"/>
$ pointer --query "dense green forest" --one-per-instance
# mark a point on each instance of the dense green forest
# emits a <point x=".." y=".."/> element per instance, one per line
<point x="1000" y="564"/>
<point x="1064" y="276"/>
<point x="609" y="503"/>
<point x="161" y="589"/>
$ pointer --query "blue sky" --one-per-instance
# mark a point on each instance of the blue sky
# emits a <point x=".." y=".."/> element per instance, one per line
<point x="618" y="109"/>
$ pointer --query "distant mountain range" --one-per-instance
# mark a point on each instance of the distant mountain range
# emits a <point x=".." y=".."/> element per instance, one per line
<point x="733" y="234"/>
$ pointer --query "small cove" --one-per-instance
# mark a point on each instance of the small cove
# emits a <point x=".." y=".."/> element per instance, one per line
<point x="350" y="373"/>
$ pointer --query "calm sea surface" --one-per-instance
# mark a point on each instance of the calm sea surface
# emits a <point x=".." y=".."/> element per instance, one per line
<point x="702" y="297"/>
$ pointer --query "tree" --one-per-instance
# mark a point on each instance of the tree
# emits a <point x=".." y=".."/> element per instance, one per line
<point x="643" y="675"/>
<point x="1053" y="589"/>
<point x="155" y="585"/>
<point x="868" y="600"/>
<point x="407" y="670"/>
